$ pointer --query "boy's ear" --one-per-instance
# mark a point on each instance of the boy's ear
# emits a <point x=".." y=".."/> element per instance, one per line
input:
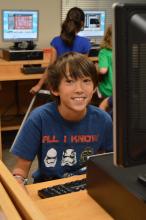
<point x="95" y="89"/>
<point x="55" y="93"/>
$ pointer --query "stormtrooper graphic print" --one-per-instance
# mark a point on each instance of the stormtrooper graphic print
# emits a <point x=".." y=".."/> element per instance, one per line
<point x="51" y="158"/>
<point x="69" y="152"/>
<point x="69" y="157"/>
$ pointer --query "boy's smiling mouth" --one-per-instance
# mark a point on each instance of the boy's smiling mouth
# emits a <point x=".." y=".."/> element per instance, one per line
<point x="79" y="98"/>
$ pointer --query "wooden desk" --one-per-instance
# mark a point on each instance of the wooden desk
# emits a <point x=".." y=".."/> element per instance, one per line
<point x="11" y="70"/>
<point x="73" y="206"/>
<point x="14" y="201"/>
<point x="7" y="208"/>
<point x="94" y="59"/>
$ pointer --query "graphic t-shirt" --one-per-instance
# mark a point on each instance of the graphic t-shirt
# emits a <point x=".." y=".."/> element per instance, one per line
<point x="62" y="146"/>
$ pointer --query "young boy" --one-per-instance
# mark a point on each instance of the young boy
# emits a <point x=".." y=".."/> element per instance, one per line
<point x="65" y="132"/>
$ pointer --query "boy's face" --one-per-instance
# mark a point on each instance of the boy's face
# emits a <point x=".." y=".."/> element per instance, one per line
<point x="75" y="94"/>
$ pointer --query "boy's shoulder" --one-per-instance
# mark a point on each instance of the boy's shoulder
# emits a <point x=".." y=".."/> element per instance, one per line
<point x="94" y="110"/>
<point x="50" y="106"/>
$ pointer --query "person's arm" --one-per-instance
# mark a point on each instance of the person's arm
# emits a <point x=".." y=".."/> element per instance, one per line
<point x="40" y="83"/>
<point x="53" y="55"/>
<point x="21" y="170"/>
<point x="104" y="104"/>
<point x="103" y="70"/>
<point x="44" y="78"/>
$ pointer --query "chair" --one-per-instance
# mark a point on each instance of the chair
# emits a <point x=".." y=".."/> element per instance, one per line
<point x="41" y="93"/>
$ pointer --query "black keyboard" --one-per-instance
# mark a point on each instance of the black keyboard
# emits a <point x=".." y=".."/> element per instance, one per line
<point x="61" y="189"/>
<point x="33" y="69"/>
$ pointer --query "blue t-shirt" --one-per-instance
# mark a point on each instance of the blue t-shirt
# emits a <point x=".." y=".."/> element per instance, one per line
<point x="80" y="45"/>
<point x="62" y="146"/>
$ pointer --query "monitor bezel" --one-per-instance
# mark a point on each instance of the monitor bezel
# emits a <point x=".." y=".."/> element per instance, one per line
<point x="19" y="39"/>
<point x="96" y="12"/>
<point x="121" y="55"/>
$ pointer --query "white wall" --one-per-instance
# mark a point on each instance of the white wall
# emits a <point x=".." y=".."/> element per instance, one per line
<point x="49" y="14"/>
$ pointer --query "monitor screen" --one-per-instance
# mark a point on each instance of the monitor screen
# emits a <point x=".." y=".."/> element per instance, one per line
<point x="94" y="25"/>
<point x="129" y="83"/>
<point x="19" y="25"/>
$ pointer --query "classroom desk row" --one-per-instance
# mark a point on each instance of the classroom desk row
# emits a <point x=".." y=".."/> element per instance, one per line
<point x="11" y="70"/>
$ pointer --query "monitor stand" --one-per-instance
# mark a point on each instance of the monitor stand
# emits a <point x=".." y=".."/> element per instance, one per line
<point x="23" y="45"/>
<point x="116" y="189"/>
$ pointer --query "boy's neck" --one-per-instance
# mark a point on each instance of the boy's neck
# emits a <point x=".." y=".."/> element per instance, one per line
<point x="72" y="115"/>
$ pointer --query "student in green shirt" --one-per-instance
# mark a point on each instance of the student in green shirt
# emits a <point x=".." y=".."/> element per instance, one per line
<point x="105" y="64"/>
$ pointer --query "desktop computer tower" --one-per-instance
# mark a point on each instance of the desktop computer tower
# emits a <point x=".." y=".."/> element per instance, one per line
<point x="15" y="55"/>
<point x="94" y="51"/>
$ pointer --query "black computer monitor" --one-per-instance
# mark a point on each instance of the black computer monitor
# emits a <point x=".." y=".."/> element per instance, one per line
<point x="20" y="25"/>
<point x="129" y="92"/>
<point x="94" y="25"/>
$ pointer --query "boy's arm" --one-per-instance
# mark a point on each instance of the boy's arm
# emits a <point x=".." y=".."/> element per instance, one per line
<point x="21" y="169"/>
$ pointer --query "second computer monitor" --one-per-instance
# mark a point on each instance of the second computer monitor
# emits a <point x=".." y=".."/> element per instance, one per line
<point x="94" y="24"/>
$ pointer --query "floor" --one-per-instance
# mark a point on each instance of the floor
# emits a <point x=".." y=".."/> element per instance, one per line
<point x="8" y="157"/>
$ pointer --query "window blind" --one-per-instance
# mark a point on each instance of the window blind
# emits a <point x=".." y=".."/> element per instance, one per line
<point x="88" y="4"/>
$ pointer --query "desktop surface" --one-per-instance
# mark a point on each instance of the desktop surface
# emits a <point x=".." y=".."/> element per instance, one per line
<point x="77" y="205"/>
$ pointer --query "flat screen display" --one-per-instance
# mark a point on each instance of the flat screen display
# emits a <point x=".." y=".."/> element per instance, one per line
<point x="19" y="25"/>
<point x="94" y="25"/>
<point x="129" y="83"/>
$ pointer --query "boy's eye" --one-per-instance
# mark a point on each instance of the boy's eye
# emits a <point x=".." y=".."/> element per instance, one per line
<point x="69" y="80"/>
<point x="87" y="80"/>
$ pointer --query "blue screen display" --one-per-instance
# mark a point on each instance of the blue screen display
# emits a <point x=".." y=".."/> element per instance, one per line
<point x="19" y="25"/>
<point x="94" y="25"/>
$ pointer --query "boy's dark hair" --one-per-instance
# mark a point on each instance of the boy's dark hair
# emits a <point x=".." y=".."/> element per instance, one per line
<point x="78" y="66"/>
<point x="73" y="23"/>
